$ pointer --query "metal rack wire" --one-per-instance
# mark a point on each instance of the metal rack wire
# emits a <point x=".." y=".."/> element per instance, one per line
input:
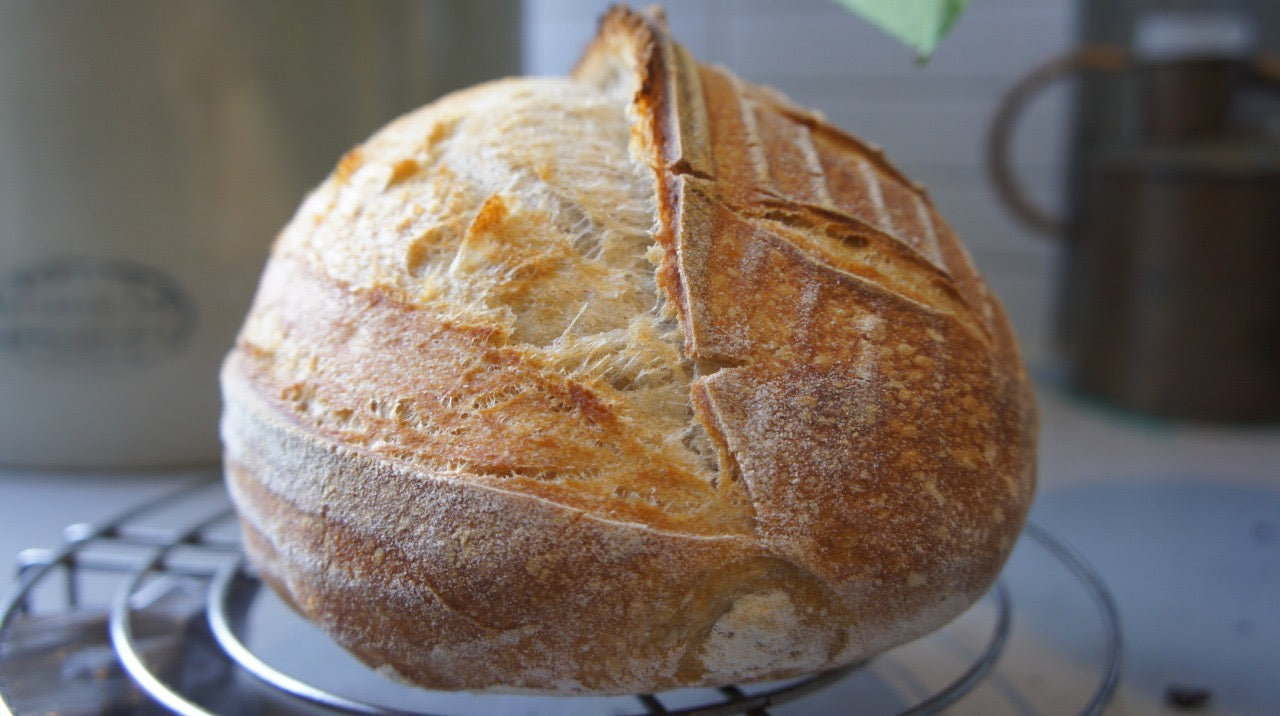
<point x="194" y="662"/>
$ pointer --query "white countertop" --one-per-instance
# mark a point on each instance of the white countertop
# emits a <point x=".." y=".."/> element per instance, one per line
<point x="1182" y="521"/>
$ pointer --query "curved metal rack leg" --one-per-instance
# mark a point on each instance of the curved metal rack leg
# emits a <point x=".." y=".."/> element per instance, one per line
<point x="219" y="596"/>
<point x="121" y="627"/>
<point x="1107" y="611"/>
<point x="974" y="675"/>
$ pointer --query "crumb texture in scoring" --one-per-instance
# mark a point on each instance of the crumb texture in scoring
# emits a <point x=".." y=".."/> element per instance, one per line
<point x="760" y="633"/>
<point x="515" y="211"/>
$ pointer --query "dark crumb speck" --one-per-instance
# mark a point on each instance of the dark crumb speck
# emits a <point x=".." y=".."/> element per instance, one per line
<point x="1186" y="697"/>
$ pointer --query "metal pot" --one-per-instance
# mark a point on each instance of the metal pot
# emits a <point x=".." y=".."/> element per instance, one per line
<point x="1169" y="302"/>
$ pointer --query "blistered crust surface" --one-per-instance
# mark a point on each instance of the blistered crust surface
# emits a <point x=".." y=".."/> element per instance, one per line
<point x="642" y="379"/>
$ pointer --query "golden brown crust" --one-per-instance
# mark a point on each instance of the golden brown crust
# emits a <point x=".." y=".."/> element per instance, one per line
<point x="708" y="394"/>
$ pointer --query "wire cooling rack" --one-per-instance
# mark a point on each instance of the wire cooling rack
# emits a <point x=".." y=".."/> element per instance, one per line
<point x="176" y="634"/>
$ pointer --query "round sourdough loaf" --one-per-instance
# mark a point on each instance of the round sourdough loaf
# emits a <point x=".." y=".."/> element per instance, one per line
<point x="638" y="379"/>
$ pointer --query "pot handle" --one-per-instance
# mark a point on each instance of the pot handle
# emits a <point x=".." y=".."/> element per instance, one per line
<point x="1096" y="58"/>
